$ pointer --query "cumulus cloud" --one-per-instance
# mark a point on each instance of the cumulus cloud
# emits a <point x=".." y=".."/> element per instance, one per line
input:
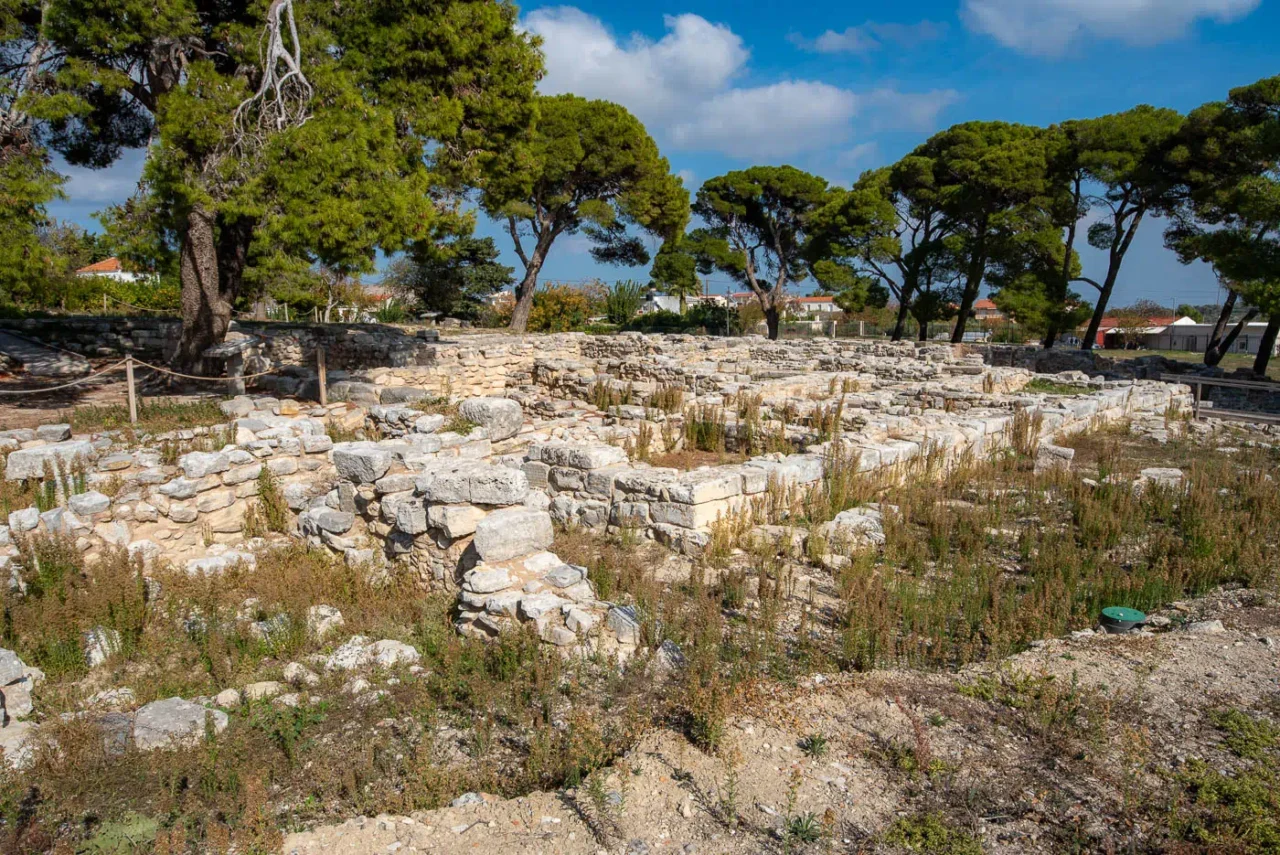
<point x="872" y="36"/>
<point x="1050" y="27"/>
<point x="689" y="88"/>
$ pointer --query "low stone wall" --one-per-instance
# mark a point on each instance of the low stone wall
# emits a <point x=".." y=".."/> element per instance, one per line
<point x="147" y="338"/>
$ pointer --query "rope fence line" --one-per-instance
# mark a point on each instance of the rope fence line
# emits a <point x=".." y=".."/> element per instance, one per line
<point x="137" y="361"/>
<point x="130" y="361"/>
<point x="106" y="296"/>
<point x="121" y="364"/>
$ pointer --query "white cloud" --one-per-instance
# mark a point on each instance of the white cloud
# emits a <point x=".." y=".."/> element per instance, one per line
<point x="891" y="110"/>
<point x="1050" y="27"/>
<point x="858" y="155"/>
<point x="779" y="120"/>
<point x="873" y="36"/>
<point x="686" y="88"/>
<point x="694" y="59"/>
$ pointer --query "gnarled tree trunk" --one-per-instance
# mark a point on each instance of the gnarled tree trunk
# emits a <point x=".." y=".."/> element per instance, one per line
<point x="1218" y="345"/>
<point x="1266" y="346"/>
<point x="904" y="307"/>
<point x="205" y="313"/>
<point x="773" y="320"/>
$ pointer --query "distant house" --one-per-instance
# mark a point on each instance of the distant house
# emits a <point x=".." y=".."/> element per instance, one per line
<point x="1112" y="333"/>
<point x="796" y="306"/>
<point x="112" y="268"/>
<point x="986" y="310"/>
<point x="657" y="302"/>
<point x="814" y="305"/>
<point x="1186" y="334"/>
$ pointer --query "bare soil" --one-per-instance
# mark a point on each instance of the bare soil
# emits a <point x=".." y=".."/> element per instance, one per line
<point x="999" y="773"/>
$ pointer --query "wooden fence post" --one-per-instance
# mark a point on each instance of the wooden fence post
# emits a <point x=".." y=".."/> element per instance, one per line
<point x="133" y="397"/>
<point x="322" y="377"/>
<point x="104" y="302"/>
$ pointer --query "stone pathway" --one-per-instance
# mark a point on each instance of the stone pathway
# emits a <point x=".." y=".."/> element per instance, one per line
<point x="42" y="361"/>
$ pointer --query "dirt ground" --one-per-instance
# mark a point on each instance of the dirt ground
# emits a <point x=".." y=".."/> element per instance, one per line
<point x="1150" y="695"/>
<point x="31" y="410"/>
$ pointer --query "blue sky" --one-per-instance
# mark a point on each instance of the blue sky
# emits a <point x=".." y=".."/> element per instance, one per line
<point x="836" y="88"/>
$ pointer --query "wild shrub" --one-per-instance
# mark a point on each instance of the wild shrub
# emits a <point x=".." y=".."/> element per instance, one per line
<point x="271" y="503"/>
<point x="59" y="599"/>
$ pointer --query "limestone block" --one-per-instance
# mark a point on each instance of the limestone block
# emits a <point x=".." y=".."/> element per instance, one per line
<point x="240" y="474"/>
<point x="502" y="418"/>
<point x="512" y="532"/>
<point x="705" y="485"/>
<point x="199" y="464"/>
<point x="88" y="504"/>
<point x="455" y="520"/>
<point x="30" y="462"/>
<point x="486" y="580"/>
<point x="171" y="722"/>
<point x="361" y="462"/>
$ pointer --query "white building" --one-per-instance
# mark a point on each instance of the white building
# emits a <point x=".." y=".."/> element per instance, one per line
<point x="1186" y="334"/>
<point x="111" y="268"/>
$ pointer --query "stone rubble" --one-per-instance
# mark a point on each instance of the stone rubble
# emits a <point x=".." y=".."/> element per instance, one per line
<point x="557" y="430"/>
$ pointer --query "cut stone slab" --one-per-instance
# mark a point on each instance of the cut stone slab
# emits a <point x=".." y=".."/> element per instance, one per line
<point x="486" y="580"/>
<point x="54" y="433"/>
<point x="27" y="463"/>
<point x="512" y="532"/>
<point x="199" y="464"/>
<point x="172" y="722"/>
<point x="502" y="418"/>
<point x="11" y="667"/>
<point x="361" y="462"/>
<point x="455" y="520"/>
<point x="88" y="504"/>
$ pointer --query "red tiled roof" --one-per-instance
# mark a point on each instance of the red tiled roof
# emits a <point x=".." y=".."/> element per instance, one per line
<point x="984" y="304"/>
<point x="1112" y="323"/>
<point x="815" y="299"/>
<point x="106" y="265"/>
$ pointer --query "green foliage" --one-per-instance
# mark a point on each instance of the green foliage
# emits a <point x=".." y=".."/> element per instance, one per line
<point x="560" y="308"/>
<point x="1246" y="736"/>
<point x="454" y="278"/>
<point x="154" y="416"/>
<point x="757" y="230"/>
<point x="1045" y="386"/>
<point x="401" y="109"/>
<point x="1227" y="165"/>
<point x="589" y="166"/>
<point x="1186" y="310"/>
<point x="931" y="834"/>
<point x="623" y="302"/>
<point x="271" y="502"/>
<point x="675" y="271"/>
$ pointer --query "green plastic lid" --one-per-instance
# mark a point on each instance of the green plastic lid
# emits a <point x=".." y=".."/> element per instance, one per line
<point x="1121" y="613"/>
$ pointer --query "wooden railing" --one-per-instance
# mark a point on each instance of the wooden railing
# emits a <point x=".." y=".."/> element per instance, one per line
<point x="1198" y="383"/>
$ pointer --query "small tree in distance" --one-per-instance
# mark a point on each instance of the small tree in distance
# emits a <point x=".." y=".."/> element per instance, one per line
<point x="590" y="166"/>
<point x="757" y="231"/>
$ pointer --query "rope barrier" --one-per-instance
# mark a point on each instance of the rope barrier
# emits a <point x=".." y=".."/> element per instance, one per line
<point x="139" y="308"/>
<point x="84" y="379"/>
<point x="137" y="361"/>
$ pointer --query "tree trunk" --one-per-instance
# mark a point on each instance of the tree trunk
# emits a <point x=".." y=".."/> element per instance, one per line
<point x="205" y="313"/>
<point x="924" y="330"/>
<point x="1218" y="345"/>
<point x="1050" y="338"/>
<point x="1118" y="250"/>
<point x="773" y="320"/>
<point x="529" y="284"/>
<point x="1100" y="310"/>
<point x="900" y="327"/>
<point x="1266" y="346"/>
<point x="972" y="285"/>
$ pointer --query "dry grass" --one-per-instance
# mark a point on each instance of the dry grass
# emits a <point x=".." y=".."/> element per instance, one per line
<point x="154" y="416"/>
<point x="977" y="563"/>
